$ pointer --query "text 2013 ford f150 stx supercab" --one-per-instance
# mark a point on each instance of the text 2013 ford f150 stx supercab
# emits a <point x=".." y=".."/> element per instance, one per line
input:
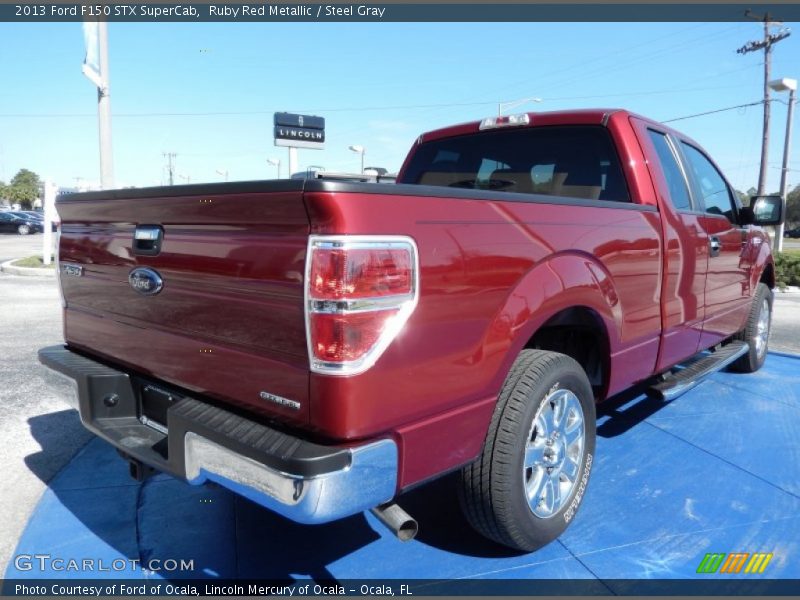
<point x="322" y="346"/>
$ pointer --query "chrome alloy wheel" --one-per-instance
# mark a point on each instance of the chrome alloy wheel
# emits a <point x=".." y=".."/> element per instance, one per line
<point x="762" y="328"/>
<point x="553" y="453"/>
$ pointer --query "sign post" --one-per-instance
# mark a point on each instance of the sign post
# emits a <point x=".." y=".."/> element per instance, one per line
<point x="298" y="131"/>
<point x="49" y="212"/>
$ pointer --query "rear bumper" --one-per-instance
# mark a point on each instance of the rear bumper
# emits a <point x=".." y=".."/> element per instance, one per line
<point x="301" y="480"/>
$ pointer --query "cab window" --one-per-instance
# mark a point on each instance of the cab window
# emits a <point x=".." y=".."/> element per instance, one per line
<point x="676" y="182"/>
<point x="714" y="191"/>
<point x="571" y="161"/>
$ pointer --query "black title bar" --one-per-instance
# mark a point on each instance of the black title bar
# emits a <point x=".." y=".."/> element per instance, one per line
<point x="141" y="588"/>
<point x="376" y="12"/>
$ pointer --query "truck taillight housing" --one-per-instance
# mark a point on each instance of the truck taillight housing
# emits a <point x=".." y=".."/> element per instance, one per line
<point x="360" y="291"/>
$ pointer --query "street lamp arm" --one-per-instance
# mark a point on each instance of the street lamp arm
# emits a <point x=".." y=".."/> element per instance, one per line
<point x="501" y="106"/>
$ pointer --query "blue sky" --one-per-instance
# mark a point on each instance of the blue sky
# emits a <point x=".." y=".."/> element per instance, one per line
<point x="374" y="83"/>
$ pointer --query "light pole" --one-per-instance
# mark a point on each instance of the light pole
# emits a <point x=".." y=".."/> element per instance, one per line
<point x="501" y="106"/>
<point x="359" y="150"/>
<point x="223" y="172"/>
<point x="276" y="162"/>
<point x="95" y="67"/>
<point x="785" y="85"/>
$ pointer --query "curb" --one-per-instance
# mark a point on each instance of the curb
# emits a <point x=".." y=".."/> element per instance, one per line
<point x="7" y="267"/>
<point x="791" y="290"/>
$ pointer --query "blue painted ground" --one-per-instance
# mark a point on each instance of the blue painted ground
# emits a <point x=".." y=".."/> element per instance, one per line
<point x="717" y="470"/>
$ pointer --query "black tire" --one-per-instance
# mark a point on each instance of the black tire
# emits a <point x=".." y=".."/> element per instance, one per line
<point x="753" y="360"/>
<point x="24" y="229"/>
<point x="493" y="488"/>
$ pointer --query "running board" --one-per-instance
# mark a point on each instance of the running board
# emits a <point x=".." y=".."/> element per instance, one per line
<point x="682" y="381"/>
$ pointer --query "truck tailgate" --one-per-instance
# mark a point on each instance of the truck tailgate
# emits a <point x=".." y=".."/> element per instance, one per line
<point x="228" y="321"/>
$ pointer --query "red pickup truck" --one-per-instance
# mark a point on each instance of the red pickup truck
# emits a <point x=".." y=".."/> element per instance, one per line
<point x="321" y="347"/>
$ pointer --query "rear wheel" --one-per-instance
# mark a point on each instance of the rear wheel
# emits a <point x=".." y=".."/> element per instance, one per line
<point x="531" y="477"/>
<point x="756" y="332"/>
<point x="24" y="229"/>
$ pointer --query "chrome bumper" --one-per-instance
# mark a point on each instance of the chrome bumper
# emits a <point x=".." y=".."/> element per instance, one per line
<point x="369" y="481"/>
<point x="322" y="485"/>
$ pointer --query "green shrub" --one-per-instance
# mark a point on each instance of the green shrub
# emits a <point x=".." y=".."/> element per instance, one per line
<point x="787" y="268"/>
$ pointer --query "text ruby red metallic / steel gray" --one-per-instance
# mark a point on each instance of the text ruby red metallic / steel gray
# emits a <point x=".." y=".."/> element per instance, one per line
<point x="229" y="321"/>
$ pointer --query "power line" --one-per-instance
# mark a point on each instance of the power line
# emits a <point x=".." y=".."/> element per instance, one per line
<point x="362" y="108"/>
<point x="711" y="112"/>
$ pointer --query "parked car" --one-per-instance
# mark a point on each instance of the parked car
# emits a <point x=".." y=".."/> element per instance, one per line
<point x="332" y="344"/>
<point x="20" y="223"/>
<point x="38" y="215"/>
<point x="792" y="233"/>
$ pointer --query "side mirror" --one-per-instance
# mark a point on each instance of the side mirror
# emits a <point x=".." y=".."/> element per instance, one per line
<point x="763" y="210"/>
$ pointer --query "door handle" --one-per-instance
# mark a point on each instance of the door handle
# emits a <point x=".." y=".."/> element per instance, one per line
<point x="715" y="246"/>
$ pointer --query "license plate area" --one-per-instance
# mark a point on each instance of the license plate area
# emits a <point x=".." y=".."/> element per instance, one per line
<point x="154" y="403"/>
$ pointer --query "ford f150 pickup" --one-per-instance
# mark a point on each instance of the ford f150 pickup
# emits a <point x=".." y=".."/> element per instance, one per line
<point x="321" y="347"/>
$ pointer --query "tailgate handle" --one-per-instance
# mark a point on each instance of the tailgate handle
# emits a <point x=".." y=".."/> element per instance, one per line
<point x="147" y="240"/>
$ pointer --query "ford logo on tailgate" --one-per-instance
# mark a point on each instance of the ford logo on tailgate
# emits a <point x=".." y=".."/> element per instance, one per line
<point x="145" y="281"/>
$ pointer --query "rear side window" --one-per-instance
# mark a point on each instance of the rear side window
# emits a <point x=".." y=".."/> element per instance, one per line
<point x="678" y="190"/>
<point x="572" y="161"/>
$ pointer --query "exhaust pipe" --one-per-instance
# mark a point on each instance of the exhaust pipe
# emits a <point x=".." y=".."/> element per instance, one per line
<point x="403" y="525"/>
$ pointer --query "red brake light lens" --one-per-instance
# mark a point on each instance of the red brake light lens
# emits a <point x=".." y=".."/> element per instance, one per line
<point x="338" y="273"/>
<point x="360" y="292"/>
<point x="346" y="338"/>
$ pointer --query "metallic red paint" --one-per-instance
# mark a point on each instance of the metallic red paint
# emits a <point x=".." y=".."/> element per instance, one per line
<point x="230" y="319"/>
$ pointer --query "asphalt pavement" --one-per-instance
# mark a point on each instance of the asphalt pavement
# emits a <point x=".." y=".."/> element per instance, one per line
<point x="791" y="244"/>
<point x="30" y="318"/>
<point x="35" y="449"/>
<point x="13" y="245"/>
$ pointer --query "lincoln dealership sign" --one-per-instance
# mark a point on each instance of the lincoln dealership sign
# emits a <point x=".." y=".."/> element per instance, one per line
<point x="299" y="131"/>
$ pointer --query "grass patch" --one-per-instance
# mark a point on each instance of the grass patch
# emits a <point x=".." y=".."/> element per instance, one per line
<point x="33" y="262"/>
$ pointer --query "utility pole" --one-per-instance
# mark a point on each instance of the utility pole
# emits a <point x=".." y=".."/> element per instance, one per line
<point x="764" y="44"/>
<point x="170" y="156"/>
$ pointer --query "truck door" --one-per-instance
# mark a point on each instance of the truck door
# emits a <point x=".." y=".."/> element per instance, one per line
<point x="685" y="248"/>
<point x="727" y="294"/>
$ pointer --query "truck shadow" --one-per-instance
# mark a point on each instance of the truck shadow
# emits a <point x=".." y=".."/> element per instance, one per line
<point x="95" y="509"/>
<point x="60" y="435"/>
<point x="620" y="413"/>
<point x="442" y="525"/>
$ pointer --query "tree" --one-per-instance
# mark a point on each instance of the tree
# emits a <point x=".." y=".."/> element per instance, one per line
<point x="24" y="188"/>
<point x="3" y="190"/>
<point x="743" y="197"/>
<point x="793" y="206"/>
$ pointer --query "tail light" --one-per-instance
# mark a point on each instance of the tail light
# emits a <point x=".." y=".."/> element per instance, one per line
<point x="360" y="291"/>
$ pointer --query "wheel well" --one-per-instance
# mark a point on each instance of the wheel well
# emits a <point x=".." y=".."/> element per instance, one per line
<point x="579" y="333"/>
<point x="768" y="276"/>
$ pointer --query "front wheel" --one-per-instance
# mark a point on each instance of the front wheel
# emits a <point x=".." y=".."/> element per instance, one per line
<point x="525" y="488"/>
<point x="24" y="229"/>
<point x="756" y="332"/>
